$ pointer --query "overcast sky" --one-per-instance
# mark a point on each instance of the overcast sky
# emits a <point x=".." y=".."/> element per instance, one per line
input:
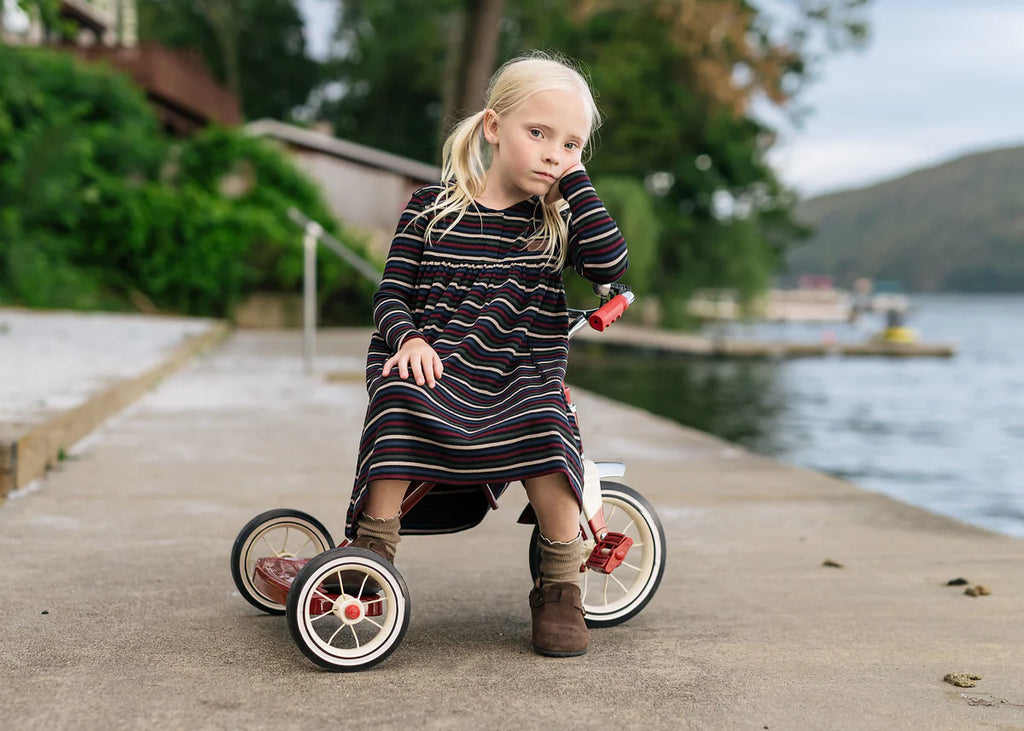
<point x="939" y="78"/>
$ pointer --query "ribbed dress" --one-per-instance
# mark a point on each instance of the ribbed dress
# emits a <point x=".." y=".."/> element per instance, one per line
<point x="495" y="312"/>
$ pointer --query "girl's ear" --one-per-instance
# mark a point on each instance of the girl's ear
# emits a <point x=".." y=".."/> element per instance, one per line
<point x="491" y="126"/>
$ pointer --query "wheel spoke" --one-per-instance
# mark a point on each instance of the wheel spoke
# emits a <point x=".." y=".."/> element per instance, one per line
<point x="321" y="616"/>
<point x="621" y="585"/>
<point x="331" y="640"/>
<point x="341" y="587"/>
<point x="354" y="635"/>
<point x="273" y="550"/>
<point x="328" y="597"/>
<point x="375" y="624"/>
<point x="629" y="565"/>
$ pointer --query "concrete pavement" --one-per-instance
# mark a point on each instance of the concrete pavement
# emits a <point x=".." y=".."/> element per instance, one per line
<point x="118" y="609"/>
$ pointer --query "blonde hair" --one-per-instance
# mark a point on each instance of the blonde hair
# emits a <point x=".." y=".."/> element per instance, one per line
<point x="466" y="154"/>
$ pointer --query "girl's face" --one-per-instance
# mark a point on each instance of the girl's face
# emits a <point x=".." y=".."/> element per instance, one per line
<point x="535" y="143"/>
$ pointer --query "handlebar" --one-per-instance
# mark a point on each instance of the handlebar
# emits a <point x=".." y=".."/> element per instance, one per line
<point x="603" y="316"/>
<point x="610" y="311"/>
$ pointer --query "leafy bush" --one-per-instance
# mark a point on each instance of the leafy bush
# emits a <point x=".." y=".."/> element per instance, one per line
<point x="98" y="207"/>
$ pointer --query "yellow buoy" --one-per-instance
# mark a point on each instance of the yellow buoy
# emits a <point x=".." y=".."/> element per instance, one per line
<point x="899" y="335"/>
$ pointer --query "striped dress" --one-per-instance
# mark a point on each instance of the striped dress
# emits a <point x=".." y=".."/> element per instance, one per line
<point x="495" y="312"/>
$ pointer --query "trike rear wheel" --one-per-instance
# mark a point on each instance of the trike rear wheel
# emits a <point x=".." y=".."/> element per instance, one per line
<point x="342" y="631"/>
<point x="610" y="599"/>
<point x="279" y="533"/>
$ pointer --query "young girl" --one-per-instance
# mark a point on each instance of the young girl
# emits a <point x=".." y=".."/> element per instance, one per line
<point x="465" y="369"/>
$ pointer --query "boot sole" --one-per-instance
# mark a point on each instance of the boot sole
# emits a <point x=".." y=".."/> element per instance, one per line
<point x="557" y="653"/>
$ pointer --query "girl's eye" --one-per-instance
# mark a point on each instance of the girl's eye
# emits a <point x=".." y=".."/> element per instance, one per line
<point x="571" y="146"/>
<point x="535" y="133"/>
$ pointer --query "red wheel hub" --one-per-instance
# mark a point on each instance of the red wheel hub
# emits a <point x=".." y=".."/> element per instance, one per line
<point x="352" y="611"/>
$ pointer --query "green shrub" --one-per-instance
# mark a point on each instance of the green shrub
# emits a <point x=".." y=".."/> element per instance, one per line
<point x="97" y="206"/>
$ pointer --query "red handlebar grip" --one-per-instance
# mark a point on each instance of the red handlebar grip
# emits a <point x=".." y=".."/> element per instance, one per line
<point x="610" y="312"/>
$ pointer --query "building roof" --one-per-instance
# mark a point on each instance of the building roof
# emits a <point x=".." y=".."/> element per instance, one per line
<point x="328" y="145"/>
<point x="184" y="93"/>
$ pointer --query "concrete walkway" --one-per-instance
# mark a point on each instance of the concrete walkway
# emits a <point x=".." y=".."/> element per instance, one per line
<point x="117" y="608"/>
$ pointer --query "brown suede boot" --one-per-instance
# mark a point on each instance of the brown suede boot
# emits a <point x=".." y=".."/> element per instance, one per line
<point x="559" y="629"/>
<point x="559" y="626"/>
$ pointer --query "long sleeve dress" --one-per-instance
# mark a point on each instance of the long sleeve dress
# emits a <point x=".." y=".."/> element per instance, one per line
<point x="494" y="310"/>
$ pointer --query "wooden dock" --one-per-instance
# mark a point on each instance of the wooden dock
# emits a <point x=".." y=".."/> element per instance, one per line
<point x="680" y="343"/>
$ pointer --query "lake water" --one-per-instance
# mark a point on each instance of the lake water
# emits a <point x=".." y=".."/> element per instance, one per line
<point x="944" y="434"/>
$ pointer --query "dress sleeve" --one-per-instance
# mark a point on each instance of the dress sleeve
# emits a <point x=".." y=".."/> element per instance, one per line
<point x="597" y="249"/>
<point x="392" y="305"/>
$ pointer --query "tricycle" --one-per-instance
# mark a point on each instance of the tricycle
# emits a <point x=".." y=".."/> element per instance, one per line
<point x="348" y="608"/>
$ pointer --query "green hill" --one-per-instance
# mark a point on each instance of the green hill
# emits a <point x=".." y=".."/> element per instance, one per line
<point x="958" y="226"/>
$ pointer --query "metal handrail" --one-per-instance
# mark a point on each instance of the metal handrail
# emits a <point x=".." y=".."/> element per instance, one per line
<point x="362" y="266"/>
<point x="313" y="234"/>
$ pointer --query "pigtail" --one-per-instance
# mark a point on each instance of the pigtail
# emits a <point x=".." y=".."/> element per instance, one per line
<point x="462" y="157"/>
<point x="462" y="173"/>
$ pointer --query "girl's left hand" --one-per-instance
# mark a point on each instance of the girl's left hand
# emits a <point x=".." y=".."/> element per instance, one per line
<point x="555" y="194"/>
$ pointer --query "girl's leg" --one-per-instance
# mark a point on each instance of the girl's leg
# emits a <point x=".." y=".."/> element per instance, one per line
<point x="559" y="628"/>
<point x="556" y="506"/>
<point x="380" y="519"/>
<point x="384" y="498"/>
<point x="558" y="515"/>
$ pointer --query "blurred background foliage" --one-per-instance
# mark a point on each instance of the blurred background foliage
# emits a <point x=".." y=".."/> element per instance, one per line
<point x="677" y="81"/>
<point x="101" y="210"/>
<point x="257" y="48"/>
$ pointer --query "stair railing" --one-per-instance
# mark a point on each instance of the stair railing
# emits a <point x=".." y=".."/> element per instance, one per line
<point x="314" y="234"/>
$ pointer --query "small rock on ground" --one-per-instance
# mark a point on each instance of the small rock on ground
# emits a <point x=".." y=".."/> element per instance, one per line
<point x="961" y="680"/>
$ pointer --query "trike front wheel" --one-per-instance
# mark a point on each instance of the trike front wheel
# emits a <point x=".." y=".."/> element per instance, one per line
<point x="610" y="599"/>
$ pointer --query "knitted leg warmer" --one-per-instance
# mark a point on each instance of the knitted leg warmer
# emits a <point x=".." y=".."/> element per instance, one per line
<point x="379" y="534"/>
<point x="560" y="561"/>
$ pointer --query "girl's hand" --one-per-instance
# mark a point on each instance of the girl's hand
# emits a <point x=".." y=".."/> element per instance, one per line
<point x="418" y="358"/>
<point x="555" y="194"/>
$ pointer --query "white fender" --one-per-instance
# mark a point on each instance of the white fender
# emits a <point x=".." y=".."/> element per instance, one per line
<point x="593" y="473"/>
<point x="611" y="469"/>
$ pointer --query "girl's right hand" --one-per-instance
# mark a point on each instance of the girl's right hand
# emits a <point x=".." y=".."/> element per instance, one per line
<point x="418" y="358"/>
<point x="555" y="194"/>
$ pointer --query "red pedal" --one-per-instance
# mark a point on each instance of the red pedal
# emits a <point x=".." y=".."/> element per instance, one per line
<point x="609" y="552"/>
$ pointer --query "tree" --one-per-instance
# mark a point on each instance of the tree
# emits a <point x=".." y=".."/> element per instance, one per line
<point x="397" y="54"/>
<point x="477" y="51"/>
<point x="677" y="104"/>
<point x="676" y="80"/>
<point x="257" y="48"/>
